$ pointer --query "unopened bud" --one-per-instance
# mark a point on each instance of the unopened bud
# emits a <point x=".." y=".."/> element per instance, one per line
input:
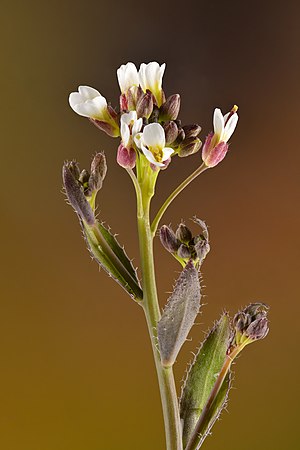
<point x="144" y="105"/>
<point x="191" y="130"/>
<point x="180" y="137"/>
<point x="84" y="177"/>
<point x="251" y="323"/>
<point x="126" y="157"/>
<point x="74" y="169"/>
<point x="75" y="194"/>
<point x="258" y="329"/>
<point x="184" y="252"/>
<point x="171" y="131"/>
<point x="168" y="239"/>
<point x="98" y="172"/>
<point x="170" y="109"/>
<point x="183" y="233"/>
<point x="189" y="147"/>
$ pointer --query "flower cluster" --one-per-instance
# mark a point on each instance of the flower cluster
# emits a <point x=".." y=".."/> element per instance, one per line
<point x="148" y="122"/>
<point x="183" y="245"/>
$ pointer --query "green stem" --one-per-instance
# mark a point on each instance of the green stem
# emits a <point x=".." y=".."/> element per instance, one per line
<point x="174" y="194"/>
<point x="152" y="313"/>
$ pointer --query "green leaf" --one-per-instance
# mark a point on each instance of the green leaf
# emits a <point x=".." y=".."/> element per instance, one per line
<point x="202" y="377"/>
<point x="179" y="315"/>
<point x="105" y="248"/>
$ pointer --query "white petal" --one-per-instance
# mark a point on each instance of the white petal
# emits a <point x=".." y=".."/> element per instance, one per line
<point x="100" y="102"/>
<point x="125" y="133"/>
<point x="162" y="71"/>
<point x="150" y="157"/>
<point x="137" y="126"/>
<point x="142" y="76"/>
<point x="87" y="109"/>
<point x="152" y="74"/>
<point x="167" y="152"/>
<point x="129" y="117"/>
<point x="74" y="99"/>
<point x="218" y="122"/>
<point x="230" y="127"/>
<point x="127" y="76"/>
<point x="154" y="135"/>
<point x="88" y="93"/>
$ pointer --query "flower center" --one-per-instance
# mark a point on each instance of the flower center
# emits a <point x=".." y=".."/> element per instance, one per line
<point x="157" y="152"/>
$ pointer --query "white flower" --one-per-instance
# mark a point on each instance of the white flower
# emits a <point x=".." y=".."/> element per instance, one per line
<point x="215" y="146"/>
<point x="130" y="126"/>
<point x="150" y="77"/>
<point x="152" y="143"/>
<point x="224" y="126"/>
<point x="88" y="102"/>
<point x="127" y="76"/>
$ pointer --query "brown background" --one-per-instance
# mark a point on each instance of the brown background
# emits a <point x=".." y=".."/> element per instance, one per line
<point x="76" y="369"/>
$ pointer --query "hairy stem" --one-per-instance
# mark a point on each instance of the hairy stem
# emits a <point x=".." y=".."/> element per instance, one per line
<point x="174" y="194"/>
<point x="152" y="313"/>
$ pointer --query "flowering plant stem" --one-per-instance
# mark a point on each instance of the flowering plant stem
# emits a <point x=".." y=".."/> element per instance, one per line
<point x="145" y="190"/>
<point x="174" y="194"/>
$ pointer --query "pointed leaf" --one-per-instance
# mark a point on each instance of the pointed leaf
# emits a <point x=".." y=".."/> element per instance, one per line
<point x="179" y="314"/>
<point x="105" y="248"/>
<point x="202" y="376"/>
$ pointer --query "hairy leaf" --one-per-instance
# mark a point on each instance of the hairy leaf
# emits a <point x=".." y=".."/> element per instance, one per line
<point x="105" y="248"/>
<point x="201" y="379"/>
<point x="179" y="314"/>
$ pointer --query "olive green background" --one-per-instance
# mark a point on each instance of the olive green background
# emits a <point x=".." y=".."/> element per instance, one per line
<point x="76" y="370"/>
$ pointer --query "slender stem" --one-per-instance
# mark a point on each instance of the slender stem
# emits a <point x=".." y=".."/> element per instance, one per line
<point x="152" y="313"/>
<point x="174" y="194"/>
<point x="193" y="443"/>
<point x="138" y="193"/>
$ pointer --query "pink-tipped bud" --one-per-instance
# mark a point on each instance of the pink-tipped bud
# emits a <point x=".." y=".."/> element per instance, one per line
<point x="126" y="157"/>
<point x="213" y="155"/>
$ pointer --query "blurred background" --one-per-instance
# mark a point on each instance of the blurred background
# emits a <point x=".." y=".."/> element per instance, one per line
<point x="76" y="370"/>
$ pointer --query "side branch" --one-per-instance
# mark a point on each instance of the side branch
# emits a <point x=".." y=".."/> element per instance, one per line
<point x="174" y="194"/>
